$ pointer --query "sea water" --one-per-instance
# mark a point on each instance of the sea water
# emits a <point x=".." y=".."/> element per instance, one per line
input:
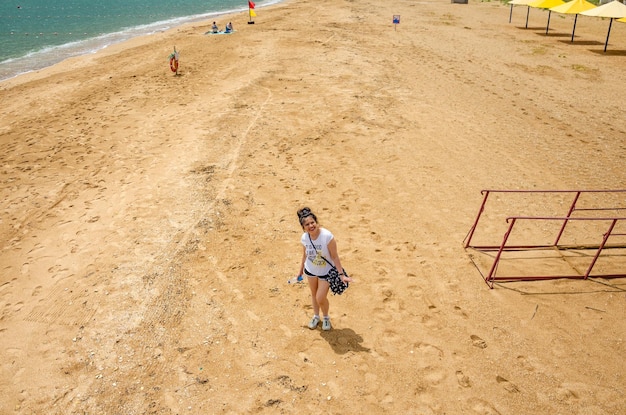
<point x="35" y="34"/>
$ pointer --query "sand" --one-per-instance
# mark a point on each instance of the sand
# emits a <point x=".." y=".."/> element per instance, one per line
<point x="148" y="222"/>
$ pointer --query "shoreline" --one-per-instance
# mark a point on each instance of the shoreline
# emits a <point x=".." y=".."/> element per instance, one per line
<point x="53" y="55"/>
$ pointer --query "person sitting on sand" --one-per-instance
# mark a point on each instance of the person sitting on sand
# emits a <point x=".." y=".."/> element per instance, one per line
<point x="214" y="28"/>
<point x="229" y="28"/>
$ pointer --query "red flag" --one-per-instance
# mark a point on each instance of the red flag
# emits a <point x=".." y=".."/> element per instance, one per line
<point x="250" y="4"/>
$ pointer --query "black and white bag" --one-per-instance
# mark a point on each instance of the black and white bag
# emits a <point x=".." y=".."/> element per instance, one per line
<point x="336" y="285"/>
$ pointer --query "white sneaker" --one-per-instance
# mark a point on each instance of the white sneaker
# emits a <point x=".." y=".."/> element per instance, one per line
<point x="326" y="324"/>
<point x="314" y="322"/>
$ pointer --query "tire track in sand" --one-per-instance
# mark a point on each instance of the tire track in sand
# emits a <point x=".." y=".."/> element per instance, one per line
<point x="154" y="345"/>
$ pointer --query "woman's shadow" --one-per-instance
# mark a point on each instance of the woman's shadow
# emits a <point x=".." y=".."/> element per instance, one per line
<point x="344" y="340"/>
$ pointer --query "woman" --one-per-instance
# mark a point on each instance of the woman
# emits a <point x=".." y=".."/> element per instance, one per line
<point x="318" y="244"/>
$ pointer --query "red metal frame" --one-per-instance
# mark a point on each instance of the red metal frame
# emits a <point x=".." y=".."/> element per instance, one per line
<point x="511" y="220"/>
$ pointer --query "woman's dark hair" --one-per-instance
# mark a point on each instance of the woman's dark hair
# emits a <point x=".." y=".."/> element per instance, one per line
<point x="304" y="213"/>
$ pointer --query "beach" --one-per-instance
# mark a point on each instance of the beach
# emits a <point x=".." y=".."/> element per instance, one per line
<point x="149" y="225"/>
<point x="39" y="33"/>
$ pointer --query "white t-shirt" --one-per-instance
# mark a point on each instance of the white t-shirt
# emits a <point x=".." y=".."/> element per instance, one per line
<point x="314" y="263"/>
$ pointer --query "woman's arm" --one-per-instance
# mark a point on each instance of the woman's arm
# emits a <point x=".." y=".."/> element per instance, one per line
<point x="332" y="249"/>
<point x="303" y="260"/>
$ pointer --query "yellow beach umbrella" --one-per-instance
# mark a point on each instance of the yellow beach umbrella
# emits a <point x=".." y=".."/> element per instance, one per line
<point x="574" y="7"/>
<point x="612" y="10"/>
<point x="546" y="5"/>
<point x="520" y="3"/>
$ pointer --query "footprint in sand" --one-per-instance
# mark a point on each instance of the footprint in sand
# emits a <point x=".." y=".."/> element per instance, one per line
<point x="463" y="380"/>
<point x="566" y="395"/>
<point x="478" y="342"/>
<point x="252" y="316"/>
<point x="433" y="375"/>
<point x="482" y="407"/>
<point x="460" y="311"/>
<point x="429" y="350"/>
<point x="55" y="269"/>
<point x="238" y="294"/>
<point x="37" y="291"/>
<point x="431" y="305"/>
<point x="525" y="363"/>
<point x="510" y="387"/>
<point x="285" y="330"/>
<point x="431" y="322"/>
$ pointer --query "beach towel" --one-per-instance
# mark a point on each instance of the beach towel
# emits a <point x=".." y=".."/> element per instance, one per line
<point x="210" y="32"/>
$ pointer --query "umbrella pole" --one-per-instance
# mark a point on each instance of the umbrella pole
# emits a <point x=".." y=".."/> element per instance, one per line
<point x="574" y="29"/>
<point x="607" y="35"/>
<point x="527" y="13"/>
<point x="511" y="13"/>
<point x="548" y="25"/>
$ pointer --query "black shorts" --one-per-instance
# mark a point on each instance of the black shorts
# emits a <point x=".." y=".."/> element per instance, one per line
<point x="311" y="275"/>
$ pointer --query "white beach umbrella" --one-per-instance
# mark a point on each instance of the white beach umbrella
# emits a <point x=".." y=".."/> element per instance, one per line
<point x="612" y="10"/>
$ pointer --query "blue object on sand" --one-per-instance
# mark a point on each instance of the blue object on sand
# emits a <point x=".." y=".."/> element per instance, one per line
<point x="210" y="32"/>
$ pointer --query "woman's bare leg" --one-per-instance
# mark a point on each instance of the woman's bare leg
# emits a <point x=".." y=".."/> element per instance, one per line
<point x="321" y="297"/>
<point x="313" y="285"/>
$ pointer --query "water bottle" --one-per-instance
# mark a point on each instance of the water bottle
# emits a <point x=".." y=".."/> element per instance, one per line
<point x="294" y="280"/>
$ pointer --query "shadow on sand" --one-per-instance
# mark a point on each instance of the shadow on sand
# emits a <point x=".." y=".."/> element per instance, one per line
<point x="344" y="340"/>
<point x="609" y="52"/>
<point x="582" y="42"/>
<point x="553" y="34"/>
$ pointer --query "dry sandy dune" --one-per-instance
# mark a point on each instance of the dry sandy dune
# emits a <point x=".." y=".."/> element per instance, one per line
<point x="148" y="220"/>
